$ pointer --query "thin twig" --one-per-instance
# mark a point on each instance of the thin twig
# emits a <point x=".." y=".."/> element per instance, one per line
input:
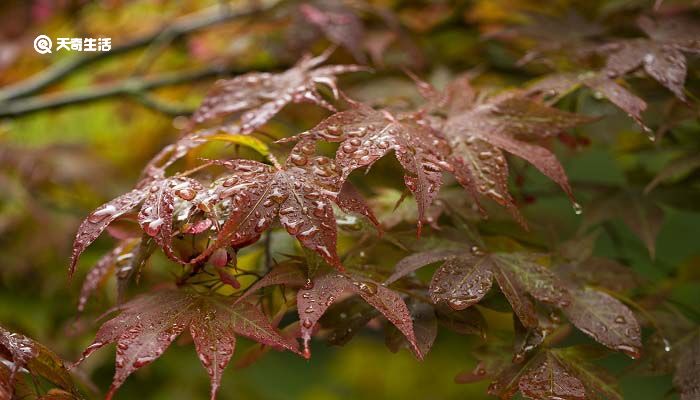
<point x="134" y="87"/>
<point x="184" y="25"/>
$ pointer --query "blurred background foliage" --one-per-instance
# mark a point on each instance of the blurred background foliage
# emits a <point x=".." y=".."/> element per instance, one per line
<point x="57" y="165"/>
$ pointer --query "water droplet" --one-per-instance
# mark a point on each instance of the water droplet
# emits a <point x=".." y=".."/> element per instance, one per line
<point x="485" y="155"/>
<point x="369" y="288"/>
<point x="518" y="357"/>
<point x="667" y="344"/>
<point x="333" y="130"/>
<point x="651" y="135"/>
<point x="141" y="361"/>
<point x="578" y="209"/>
<point x="153" y="227"/>
<point x="457" y="304"/>
<point x="230" y="181"/>
<point x="308" y="285"/>
<point x="620" y="319"/>
<point x="102" y="213"/>
<point x="308" y="233"/>
<point x="299" y="160"/>
<point x="632" y="352"/>
<point x="347" y="148"/>
<point x="186" y="194"/>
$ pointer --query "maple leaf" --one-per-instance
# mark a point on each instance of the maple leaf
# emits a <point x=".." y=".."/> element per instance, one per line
<point x="606" y="320"/>
<point x="258" y="96"/>
<point x="157" y="197"/>
<point x="554" y="373"/>
<point x="575" y="263"/>
<point x="99" y="219"/>
<point x="321" y="291"/>
<point x="547" y="378"/>
<point x="602" y="86"/>
<point x="100" y="270"/>
<point x="300" y="194"/>
<point x="156" y="214"/>
<point x="469" y="321"/>
<point x="467" y="143"/>
<point x="601" y="272"/>
<point x="425" y="326"/>
<point x="312" y="303"/>
<point x="597" y="382"/>
<point x="345" y="318"/>
<point x="465" y="277"/>
<point x="147" y="325"/>
<point x="661" y="56"/>
<point x="507" y="122"/>
<point x="368" y="135"/>
<point x="338" y="23"/>
<point x="23" y="353"/>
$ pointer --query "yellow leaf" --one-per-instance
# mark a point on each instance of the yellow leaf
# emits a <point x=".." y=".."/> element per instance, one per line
<point x="245" y="140"/>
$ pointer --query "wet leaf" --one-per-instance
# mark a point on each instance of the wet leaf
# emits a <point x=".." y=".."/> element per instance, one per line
<point x="312" y="303"/>
<point x="425" y="325"/>
<point x="147" y="325"/>
<point x="98" y="220"/>
<point x="366" y="135"/>
<point x="606" y="320"/>
<point x="415" y="261"/>
<point x="338" y="23"/>
<point x="461" y="281"/>
<point x="600" y="84"/>
<point x="601" y="272"/>
<point x="344" y="320"/>
<point x="661" y="56"/>
<point x="466" y="277"/>
<point x="547" y="378"/>
<point x="597" y="382"/>
<point x="25" y="353"/>
<point x="258" y="96"/>
<point x="156" y="214"/>
<point x="288" y="274"/>
<point x="508" y="123"/>
<point x="244" y="140"/>
<point x="100" y="271"/>
<point x="469" y="321"/>
<point x="300" y="194"/>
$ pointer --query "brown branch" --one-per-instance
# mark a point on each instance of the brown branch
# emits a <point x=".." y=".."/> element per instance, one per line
<point x="134" y="87"/>
<point x="182" y="26"/>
